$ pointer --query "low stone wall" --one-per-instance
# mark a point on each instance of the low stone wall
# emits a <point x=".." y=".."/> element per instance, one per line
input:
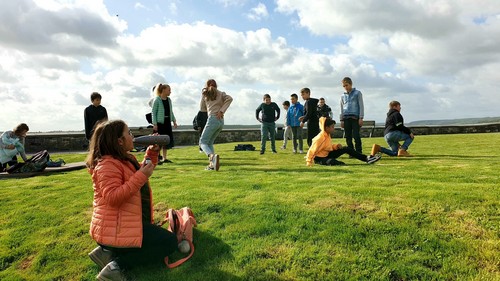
<point x="75" y="141"/>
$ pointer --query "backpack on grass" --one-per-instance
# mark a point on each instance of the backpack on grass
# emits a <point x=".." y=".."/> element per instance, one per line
<point x="36" y="163"/>
<point x="181" y="223"/>
<point x="244" y="147"/>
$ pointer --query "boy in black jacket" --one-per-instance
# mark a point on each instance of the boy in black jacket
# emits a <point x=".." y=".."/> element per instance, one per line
<point x="93" y="114"/>
<point x="394" y="132"/>
<point x="310" y="115"/>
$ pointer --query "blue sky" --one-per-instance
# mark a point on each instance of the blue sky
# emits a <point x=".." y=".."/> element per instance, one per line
<point x="439" y="58"/>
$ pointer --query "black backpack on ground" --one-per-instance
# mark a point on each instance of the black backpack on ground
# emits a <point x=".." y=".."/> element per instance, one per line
<point x="36" y="163"/>
<point x="244" y="147"/>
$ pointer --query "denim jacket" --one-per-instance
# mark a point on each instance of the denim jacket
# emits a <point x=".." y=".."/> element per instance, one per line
<point x="351" y="104"/>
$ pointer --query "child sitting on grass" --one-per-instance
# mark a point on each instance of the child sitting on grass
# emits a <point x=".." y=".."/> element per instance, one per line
<point x="324" y="152"/>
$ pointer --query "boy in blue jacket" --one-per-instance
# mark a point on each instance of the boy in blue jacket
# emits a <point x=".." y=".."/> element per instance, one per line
<point x="295" y="111"/>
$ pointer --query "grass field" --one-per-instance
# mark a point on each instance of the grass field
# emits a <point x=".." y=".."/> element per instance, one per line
<point x="269" y="217"/>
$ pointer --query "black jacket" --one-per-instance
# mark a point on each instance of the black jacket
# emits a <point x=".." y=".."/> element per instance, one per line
<point x="92" y="115"/>
<point x="311" y="111"/>
<point x="395" y="122"/>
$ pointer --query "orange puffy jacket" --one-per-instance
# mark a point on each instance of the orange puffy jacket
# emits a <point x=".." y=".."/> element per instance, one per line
<point x="117" y="216"/>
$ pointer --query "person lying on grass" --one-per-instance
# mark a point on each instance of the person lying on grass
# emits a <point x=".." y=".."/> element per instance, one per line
<point x="324" y="152"/>
<point x="122" y="218"/>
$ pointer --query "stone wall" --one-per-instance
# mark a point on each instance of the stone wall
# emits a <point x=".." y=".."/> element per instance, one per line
<point x="75" y="141"/>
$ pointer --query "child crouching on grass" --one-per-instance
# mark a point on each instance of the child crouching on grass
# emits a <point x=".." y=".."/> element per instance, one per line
<point x="324" y="152"/>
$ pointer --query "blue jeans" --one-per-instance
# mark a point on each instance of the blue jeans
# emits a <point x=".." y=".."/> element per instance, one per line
<point x="210" y="133"/>
<point x="393" y="138"/>
<point x="267" y="129"/>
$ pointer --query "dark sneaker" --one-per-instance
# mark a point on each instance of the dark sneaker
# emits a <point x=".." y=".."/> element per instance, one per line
<point x="261" y="152"/>
<point x="160" y="158"/>
<point x="167" y="161"/>
<point x="101" y="257"/>
<point x="372" y="159"/>
<point x="215" y="162"/>
<point x="208" y="168"/>
<point x="274" y="151"/>
<point x="111" y="272"/>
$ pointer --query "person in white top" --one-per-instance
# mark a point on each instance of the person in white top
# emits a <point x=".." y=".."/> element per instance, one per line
<point x="215" y="103"/>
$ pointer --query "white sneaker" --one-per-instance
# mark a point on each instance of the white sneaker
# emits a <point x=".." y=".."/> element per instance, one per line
<point x="111" y="272"/>
<point x="372" y="159"/>
<point x="294" y="151"/>
<point x="302" y="151"/>
<point x="101" y="257"/>
<point x="215" y="162"/>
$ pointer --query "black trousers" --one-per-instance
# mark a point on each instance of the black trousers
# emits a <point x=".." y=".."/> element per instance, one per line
<point x="157" y="243"/>
<point x="351" y="129"/>
<point x="337" y="153"/>
<point x="9" y="163"/>
<point x="312" y="130"/>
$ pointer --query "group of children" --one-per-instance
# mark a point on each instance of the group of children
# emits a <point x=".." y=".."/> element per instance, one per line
<point x="320" y="126"/>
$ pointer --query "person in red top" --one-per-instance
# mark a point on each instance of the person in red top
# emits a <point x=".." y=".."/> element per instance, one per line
<point x="122" y="218"/>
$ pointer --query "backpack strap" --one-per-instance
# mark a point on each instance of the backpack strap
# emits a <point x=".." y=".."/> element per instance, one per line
<point x="181" y="261"/>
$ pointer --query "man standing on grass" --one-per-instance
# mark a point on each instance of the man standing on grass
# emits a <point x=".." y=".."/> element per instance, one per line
<point x="93" y="114"/>
<point x="270" y="113"/>
<point x="310" y="115"/>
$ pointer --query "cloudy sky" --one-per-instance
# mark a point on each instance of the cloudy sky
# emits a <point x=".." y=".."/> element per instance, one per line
<point x="439" y="58"/>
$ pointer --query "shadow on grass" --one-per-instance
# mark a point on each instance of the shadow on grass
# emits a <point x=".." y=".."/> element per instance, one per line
<point x="205" y="264"/>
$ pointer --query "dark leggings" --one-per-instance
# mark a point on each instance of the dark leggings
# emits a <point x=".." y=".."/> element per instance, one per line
<point x="337" y="153"/>
<point x="157" y="243"/>
<point x="9" y="163"/>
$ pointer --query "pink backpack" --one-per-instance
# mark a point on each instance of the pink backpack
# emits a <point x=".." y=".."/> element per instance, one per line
<point x="181" y="222"/>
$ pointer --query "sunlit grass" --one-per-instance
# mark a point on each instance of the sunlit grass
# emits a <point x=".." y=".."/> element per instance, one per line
<point x="269" y="217"/>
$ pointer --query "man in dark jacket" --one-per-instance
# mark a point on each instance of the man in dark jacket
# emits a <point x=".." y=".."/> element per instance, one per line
<point x="323" y="109"/>
<point x="94" y="113"/>
<point x="394" y="132"/>
<point x="310" y="115"/>
<point x="270" y="113"/>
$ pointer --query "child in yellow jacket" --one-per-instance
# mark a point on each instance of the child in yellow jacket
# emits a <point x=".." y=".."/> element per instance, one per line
<point x="324" y="152"/>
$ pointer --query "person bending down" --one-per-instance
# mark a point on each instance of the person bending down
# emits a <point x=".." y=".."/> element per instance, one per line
<point x="395" y="131"/>
<point x="324" y="152"/>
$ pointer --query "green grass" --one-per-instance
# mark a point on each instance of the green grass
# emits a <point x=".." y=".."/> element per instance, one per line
<point x="269" y="217"/>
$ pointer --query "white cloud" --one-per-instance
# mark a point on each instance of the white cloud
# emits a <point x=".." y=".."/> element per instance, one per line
<point x="53" y="56"/>
<point x="258" y="13"/>
<point x="139" y="5"/>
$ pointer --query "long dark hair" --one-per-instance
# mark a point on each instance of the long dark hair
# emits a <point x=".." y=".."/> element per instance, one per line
<point x="104" y="141"/>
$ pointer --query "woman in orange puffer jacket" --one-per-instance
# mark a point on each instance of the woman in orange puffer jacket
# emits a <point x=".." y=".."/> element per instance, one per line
<point x="122" y="219"/>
